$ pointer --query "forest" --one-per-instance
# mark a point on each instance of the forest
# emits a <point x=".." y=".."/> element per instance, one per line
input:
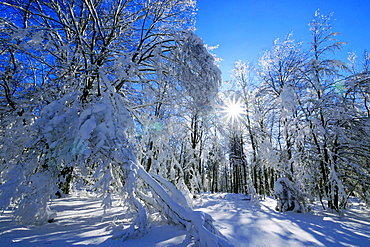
<point x="123" y="99"/>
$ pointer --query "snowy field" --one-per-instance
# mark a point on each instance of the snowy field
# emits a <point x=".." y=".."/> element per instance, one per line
<point x="80" y="222"/>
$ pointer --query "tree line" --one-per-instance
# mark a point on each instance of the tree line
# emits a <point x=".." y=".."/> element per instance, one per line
<point x="304" y="134"/>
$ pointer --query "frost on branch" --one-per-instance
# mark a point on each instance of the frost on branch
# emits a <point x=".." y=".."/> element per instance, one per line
<point x="196" y="69"/>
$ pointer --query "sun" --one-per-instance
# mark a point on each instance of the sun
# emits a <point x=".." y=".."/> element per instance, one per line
<point x="234" y="109"/>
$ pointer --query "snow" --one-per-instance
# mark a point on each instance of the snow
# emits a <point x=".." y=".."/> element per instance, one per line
<point x="82" y="222"/>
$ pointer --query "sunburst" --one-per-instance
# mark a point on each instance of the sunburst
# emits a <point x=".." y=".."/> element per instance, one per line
<point x="234" y="110"/>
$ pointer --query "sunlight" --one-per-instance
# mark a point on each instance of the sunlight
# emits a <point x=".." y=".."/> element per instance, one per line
<point x="234" y="110"/>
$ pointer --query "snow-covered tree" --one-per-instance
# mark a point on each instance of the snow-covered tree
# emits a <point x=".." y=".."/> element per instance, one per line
<point x="322" y="110"/>
<point x="100" y="65"/>
<point x="352" y="147"/>
<point x="281" y="72"/>
<point x="304" y="120"/>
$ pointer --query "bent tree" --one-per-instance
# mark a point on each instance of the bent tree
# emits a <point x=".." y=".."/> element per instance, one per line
<point x="80" y="78"/>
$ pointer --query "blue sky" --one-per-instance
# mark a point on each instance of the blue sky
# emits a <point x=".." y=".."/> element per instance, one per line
<point x="243" y="29"/>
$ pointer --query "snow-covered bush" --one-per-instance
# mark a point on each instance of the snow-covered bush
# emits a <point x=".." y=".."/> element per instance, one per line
<point x="289" y="198"/>
<point x="255" y="199"/>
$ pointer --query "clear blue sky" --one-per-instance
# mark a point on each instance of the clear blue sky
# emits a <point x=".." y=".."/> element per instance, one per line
<point x="243" y="29"/>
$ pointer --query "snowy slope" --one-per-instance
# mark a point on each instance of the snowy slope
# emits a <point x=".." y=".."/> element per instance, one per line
<point x="81" y="222"/>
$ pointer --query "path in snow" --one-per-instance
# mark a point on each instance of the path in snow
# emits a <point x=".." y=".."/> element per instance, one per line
<point x="80" y="222"/>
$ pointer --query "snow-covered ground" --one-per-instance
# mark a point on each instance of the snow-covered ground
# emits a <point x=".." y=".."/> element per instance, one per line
<point x="80" y="222"/>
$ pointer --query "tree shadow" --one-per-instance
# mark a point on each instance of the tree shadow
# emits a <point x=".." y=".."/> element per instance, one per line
<point x="245" y="225"/>
<point x="79" y="222"/>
